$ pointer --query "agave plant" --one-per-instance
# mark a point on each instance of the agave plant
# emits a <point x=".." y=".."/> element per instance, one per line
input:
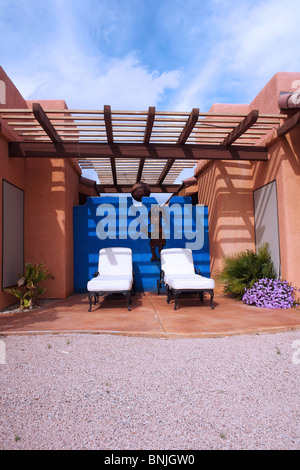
<point x="244" y="269"/>
<point x="29" y="288"/>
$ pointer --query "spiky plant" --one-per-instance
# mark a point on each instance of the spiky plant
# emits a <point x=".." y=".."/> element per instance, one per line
<point x="242" y="270"/>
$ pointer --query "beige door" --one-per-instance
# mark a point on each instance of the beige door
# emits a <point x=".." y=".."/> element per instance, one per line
<point x="266" y="220"/>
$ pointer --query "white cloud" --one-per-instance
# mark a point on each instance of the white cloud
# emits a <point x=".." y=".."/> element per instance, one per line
<point x="253" y="41"/>
<point x="220" y="50"/>
<point x="86" y="82"/>
<point x="265" y="38"/>
<point x="67" y="68"/>
<point x="127" y="84"/>
<point x="200" y="87"/>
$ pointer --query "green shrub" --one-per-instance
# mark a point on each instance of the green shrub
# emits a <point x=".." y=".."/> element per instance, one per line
<point x="29" y="287"/>
<point x="242" y="270"/>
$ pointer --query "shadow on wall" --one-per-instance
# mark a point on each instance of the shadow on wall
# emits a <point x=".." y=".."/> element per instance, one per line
<point x="51" y="191"/>
<point x="283" y="167"/>
<point x="226" y="188"/>
<point x="146" y="262"/>
<point x="45" y="223"/>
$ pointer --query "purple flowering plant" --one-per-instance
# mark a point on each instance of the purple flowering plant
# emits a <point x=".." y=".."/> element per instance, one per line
<point x="271" y="293"/>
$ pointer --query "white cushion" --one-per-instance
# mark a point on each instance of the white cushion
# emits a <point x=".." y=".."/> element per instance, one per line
<point x="115" y="261"/>
<point x="188" y="281"/>
<point x="177" y="261"/>
<point x="110" y="283"/>
<point x="115" y="271"/>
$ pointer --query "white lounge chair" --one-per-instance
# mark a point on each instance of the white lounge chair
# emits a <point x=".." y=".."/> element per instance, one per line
<point x="179" y="275"/>
<point x="114" y="275"/>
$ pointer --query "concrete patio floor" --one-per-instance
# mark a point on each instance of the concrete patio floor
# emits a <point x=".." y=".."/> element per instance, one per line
<point x="150" y="315"/>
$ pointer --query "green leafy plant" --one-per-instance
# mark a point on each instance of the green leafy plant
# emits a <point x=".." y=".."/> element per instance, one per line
<point x="29" y="288"/>
<point x="242" y="270"/>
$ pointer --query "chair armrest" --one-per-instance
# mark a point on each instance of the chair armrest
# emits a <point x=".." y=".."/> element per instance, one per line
<point x="197" y="271"/>
<point x="162" y="275"/>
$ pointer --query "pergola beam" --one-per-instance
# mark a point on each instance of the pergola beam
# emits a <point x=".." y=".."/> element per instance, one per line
<point x="113" y="170"/>
<point x="110" y="138"/>
<point x="46" y="124"/>
<point x="108" y="124"/>
<point x="126" y="188"/>
<point x="149" y="124"/>
<point x="289" y="125"/>
<point x="189" y="126"/>
<point x="147" y="135"/>
<point x="187" y="130"/>
<point x="133" y="151"/>
<point x="165" y="171"/>
<point x="239" y="130"/>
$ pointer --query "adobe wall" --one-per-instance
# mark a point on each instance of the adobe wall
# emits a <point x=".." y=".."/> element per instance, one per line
<point x="11" y="171"/>
<point x="54" y="183"/>
<point x="104" y="221"/>
<point x="51" y="188"/>
<point x="284" y="167"/>
<point x="227" y="188"/>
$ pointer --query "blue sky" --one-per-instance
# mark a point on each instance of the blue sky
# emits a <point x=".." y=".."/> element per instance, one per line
<point x="132" y="54"/>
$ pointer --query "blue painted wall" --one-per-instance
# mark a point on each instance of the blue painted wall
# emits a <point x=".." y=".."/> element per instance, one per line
<point x="87" y="243"/>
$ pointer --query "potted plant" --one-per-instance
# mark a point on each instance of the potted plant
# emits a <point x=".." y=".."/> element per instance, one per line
<point x="28" y="288"/>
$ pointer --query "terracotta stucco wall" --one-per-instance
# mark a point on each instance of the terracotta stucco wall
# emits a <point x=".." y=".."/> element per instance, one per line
<point x="51" y="189"/>
<point x="10" y="170"/>
<point x="54" y="184"/>
<point x="284" y="167"/>
<point x="227" y="189"/>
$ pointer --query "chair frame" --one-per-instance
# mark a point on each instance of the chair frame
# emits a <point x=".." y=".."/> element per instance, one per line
<point x="176" y="292"/>
<point x="94" y="295"/>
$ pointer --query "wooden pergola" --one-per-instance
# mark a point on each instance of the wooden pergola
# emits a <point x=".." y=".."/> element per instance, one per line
<point x="126" y="147"/>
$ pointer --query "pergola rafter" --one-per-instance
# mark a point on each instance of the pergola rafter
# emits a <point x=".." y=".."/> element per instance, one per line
<point x="147" y="136"/>
<point x="126" y="147"/>
<point x="110" y="139"/>
<point x="243" y="127"/>
<point x="186" y="132"/>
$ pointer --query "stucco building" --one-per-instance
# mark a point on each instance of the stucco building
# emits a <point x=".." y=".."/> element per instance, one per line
<point x="248" y="201"/>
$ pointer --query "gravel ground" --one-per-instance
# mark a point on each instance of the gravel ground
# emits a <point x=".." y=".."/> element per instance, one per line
<point x="82" y="391"/>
